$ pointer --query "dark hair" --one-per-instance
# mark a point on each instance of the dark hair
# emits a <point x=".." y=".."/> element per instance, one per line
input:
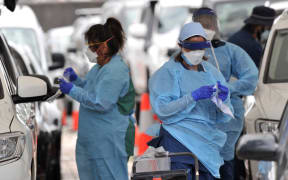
<point x="250" y="27"/>
<point x="178" y="58"/>
<point x="100" y="33"/>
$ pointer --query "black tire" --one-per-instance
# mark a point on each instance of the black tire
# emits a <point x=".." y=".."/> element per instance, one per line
<point x="43" y="156"/>
<point x="54" y="170"/>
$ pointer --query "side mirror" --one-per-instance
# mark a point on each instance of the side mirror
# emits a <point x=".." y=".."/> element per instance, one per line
<point x="58" y="60"/>
<point x="33" y="88"/>
<point x="137" y="30"/>
<point x="258" y="147"/>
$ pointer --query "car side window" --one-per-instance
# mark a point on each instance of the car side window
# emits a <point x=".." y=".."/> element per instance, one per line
<point x="20" y="64"/>
<point x="276" y="71"/>
<point x="1" y="85"/>
<point x="1" y="90"/>
<point x="9" y="67"/>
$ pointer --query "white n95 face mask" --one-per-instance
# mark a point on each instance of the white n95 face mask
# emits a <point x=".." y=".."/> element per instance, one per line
<point x="92" y="56"/>
<point x="193" y="57"/>
<point x="210" y="34"/>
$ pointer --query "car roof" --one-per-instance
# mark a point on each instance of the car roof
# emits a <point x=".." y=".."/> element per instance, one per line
<point x="279" y="5"/>
<point x="281" y="22"/>
<point x="23" y="16"/>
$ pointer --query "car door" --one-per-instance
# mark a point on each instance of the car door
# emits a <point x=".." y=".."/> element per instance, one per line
<point x="29" y="108"/>
<point x="282" y="165"/>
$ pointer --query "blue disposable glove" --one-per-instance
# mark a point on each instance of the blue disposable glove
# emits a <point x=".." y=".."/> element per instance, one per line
<point x="223" y="91"/>
<point x="65" y="87"/>
<point x="203" y="92"/>
<point x="70" y="74"/>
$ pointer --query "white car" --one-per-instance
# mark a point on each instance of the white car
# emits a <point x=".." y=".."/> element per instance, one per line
<point x="23" y="29"/>
<point x="18" y="130"/>
<point x="266" y="107"/>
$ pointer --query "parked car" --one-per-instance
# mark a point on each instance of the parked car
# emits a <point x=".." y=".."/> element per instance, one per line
<point x="18" y="140"/>
<point x="270" y="146"/>
<point x="28" y="33"/>
<point x="265" y="107"/>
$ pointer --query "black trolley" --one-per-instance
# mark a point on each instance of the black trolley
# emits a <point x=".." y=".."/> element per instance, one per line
<point x="179" y="174"/>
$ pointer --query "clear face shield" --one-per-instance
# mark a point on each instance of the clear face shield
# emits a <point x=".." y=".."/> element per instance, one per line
<point x="208" y="19"/>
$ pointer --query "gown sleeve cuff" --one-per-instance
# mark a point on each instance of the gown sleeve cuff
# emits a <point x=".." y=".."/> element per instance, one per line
<point x="74" y="92"/>
<point x="77" y="81"/>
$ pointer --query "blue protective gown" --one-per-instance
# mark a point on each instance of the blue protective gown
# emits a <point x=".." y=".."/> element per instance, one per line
<point x="234" y="61"/>
<point x="103" y="127"/>
<point x="192" y="123"/>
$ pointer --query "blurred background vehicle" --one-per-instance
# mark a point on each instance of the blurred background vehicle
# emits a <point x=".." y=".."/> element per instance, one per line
<point x="59" y="39"/>
<point x="265" y="107"/>
<point x="22" y="29"/>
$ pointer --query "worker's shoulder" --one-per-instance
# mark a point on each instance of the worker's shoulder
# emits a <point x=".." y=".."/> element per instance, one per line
<point x="117" y="63"/>
<point x="116" y="67"/>
<point x="167" y="69"/>
<point x="233" y="47"/>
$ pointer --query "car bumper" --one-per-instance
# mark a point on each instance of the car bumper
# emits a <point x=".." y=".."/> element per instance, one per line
<point x="17" y="170"/>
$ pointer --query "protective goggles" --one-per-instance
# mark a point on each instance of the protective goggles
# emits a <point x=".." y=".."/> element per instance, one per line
<point x="97" y="44"/>
<point x="195" y="45"/>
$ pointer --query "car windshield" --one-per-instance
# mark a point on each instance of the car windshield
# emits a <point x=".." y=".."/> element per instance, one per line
<point x="279" y="58"/>
<point x="232" y="19"/>
<point x="23" y="36"/>
<point x="171" y="17"/>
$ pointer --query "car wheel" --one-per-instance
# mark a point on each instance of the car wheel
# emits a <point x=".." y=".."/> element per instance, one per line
<point x="54" y="168"/>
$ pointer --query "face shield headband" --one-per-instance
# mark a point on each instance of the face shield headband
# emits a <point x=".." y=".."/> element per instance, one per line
<point x="204" y="11"/>
<point x="195" y="45"/>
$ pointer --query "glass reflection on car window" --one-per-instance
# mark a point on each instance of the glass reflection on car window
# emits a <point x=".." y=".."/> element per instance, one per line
<point x="279" y="58"/>
<point x="23" y="36"/>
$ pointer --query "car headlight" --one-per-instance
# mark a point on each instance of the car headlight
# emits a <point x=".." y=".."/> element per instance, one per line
<point x="11" y="146"/>
<point x="266" y="126"/>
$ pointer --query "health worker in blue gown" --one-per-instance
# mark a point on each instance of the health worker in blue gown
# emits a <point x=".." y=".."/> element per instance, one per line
<point x="106" y="96"/>
<point x="233" y="61"/>
<point x="181" y="94"/>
